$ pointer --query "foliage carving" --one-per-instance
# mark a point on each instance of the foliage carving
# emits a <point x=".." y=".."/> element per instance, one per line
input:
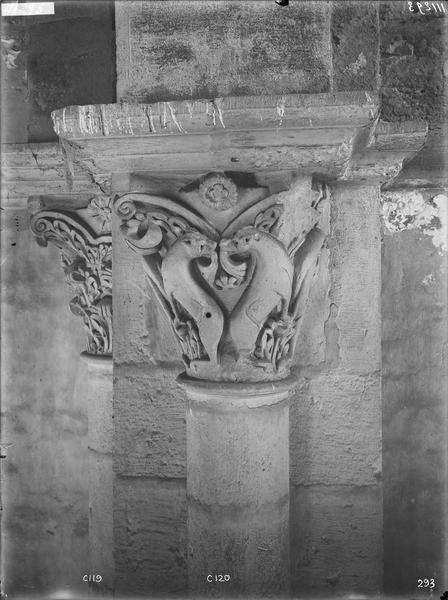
<point x="87" y="263"/>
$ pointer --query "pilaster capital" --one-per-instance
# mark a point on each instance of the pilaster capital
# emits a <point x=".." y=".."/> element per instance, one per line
<point x="81" y="230"/>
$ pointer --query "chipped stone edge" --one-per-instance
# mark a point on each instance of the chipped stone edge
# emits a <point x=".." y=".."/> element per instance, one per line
<point x="203" y="115"/>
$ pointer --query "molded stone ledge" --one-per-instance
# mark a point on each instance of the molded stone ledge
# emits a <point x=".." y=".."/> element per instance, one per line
<point x="328" y="135"/>
<point x="310" y="133"/>
<point x="30" y="169"/>
<point x="205" y="115"/>
<point x="390" y="146"/>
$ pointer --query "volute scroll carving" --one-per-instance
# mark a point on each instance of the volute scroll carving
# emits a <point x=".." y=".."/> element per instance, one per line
<point x="84" y="239"/>
<point x="234" y="289"/>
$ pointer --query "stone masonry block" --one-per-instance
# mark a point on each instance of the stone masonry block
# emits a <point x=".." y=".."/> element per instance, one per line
<point x="413" y="63"/>
<point x="168" y="50"/>
<point x="355" y="40"/>
<point x="335" y="429"/>
<point x="149" y="411"/>
<point x="150" y="518"/>
<point x="336" y="540"/>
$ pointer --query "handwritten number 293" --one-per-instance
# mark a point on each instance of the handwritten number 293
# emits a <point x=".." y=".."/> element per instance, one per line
<point x="426" y="583"/>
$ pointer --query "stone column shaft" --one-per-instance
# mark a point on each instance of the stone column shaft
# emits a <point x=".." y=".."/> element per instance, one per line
<point x="238" y="488"/>
<point x="100" y="428"/>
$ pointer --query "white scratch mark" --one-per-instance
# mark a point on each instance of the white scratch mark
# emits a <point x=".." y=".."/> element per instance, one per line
<point x="149" y="117"/>
<point x="82" y="120"/>
<point x="128" y="117"/>
<point x="218" y="108"/>
<point x="104" y="121"/>
<point x="173" y="116"/>
<point x="163" y="117"/>
<point x="281" y="108"/>
<point x="64" y="122"/>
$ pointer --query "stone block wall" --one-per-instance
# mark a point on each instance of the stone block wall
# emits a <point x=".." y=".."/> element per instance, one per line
<point x="179" y="50"/>
<point x="414" y="373"/>
<point x="336" y="516"/>
<point x="414" y="266"/>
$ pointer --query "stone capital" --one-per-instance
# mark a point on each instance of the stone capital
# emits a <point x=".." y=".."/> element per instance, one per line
<point x="232" y="265"/>
<point x="81" y="231"/>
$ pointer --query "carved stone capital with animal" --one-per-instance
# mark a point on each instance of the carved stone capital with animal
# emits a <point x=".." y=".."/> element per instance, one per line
<point x="234" y="290"/>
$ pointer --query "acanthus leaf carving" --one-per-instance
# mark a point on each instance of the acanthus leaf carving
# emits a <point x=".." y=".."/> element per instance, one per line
<point x="234" y="295"/>
<point x="87" y="263"/>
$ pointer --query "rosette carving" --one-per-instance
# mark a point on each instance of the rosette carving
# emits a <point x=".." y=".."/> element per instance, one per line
<point x="87" y="263"/>
<point x="235" y="293"/>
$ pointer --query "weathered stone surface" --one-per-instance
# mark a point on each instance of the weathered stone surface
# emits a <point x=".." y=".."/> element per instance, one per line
<point x="390" y="146"/>
<point x="339" y="111"/>
<point x="150" y="537"/>
<point x="149" y="419"/>
<point x="336" y="430"/>
<point x="417" y="209"/>
<point x="413" y="75"/>
<point x="31" y="169"/>
<point x="316" y="134"/>
<point x="252" y="545"/>
<point x="412" y="63"/>
<point x="428" y="168"/>
<point x="336" y="540"/>
<point x="355" y="266"/>
<point x="414" y="387"/>
<point x="238" y="486"/>
<point x="313" y="347"/>
<point x="335" y="415"/>
<point x="177" y="50"/>
<point x="101" y="477"/>
<point x="355" y="45"/>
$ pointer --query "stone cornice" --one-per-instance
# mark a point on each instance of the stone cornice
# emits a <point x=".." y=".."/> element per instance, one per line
<point x="389" y="147"/>
<point x="238" y="113"/>
<point x="41" y="168"/>
<point x="332" y="136"/>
